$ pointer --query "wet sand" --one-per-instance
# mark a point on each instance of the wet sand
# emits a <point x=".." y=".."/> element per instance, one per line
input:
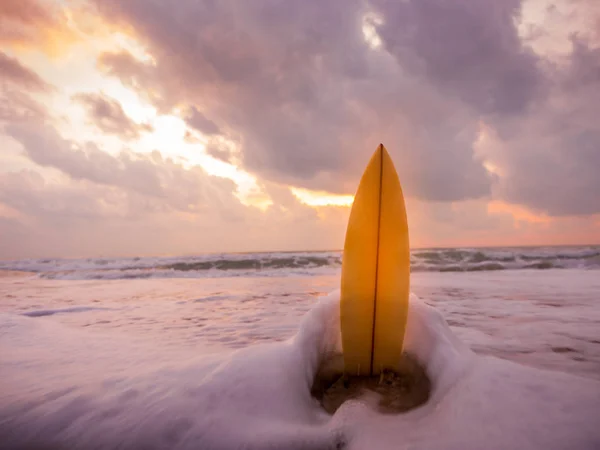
<point x="391" y="392"/>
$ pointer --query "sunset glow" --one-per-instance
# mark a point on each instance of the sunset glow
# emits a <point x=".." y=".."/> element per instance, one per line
<point x="320" y="198"/>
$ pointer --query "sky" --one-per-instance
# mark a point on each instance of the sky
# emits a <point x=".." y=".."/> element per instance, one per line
<point x="155" y="127"/>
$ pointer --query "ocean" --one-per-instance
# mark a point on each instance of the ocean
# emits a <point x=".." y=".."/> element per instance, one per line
<point x="90" y="345"/>
<point x="279" y="264"/>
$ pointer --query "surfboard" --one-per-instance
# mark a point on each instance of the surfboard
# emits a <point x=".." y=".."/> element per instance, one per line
<point x="375" y="272"/>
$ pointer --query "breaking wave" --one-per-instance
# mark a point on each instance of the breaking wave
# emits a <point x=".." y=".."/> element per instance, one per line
<point x="305" y="263"/>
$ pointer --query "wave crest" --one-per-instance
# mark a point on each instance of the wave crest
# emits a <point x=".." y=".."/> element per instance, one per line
<point x="306" y="263"/>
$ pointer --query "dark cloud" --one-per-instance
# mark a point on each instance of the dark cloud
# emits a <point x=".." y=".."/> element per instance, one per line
<point x="584" y="70"/>
<point x="200" y="122"/>
<point x="470" y="49"/>
<point x="308" y="100"/>
<point x="11" y="70"/>
<point x="219" y="152"/>
<point x="107" y="114"/>
<point x="301" y="88"/>
<point x="550" y="160"/>
<point x="138" y="75"/>
<point x="16" y="81"/>
<point x="16" y="106"/>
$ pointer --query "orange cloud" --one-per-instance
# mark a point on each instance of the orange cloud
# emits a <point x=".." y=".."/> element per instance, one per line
<point x="519" y="213"/>
<point x="321" y="198"/>
<point x="31" y="23"/>
<point x="9" y="212"/>
<point x="52" y="27"/>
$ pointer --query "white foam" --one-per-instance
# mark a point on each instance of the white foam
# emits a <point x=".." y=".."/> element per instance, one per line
<point x="82" y="390"/>
<point x="478" y="402"/>
<point x="429" y="338"/>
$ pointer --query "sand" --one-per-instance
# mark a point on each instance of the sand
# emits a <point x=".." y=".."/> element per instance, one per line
<point x="391" y="392"/>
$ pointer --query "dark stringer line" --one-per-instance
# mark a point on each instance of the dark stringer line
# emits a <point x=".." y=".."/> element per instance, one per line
<point x="377" y="256"/>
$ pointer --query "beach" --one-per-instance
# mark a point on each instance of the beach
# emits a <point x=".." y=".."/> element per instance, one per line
<point x="87" y="354"/>
<point x="541" y="317"/>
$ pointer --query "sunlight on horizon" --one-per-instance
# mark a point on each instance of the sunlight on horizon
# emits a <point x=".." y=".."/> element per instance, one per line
<point x="321" y="198"/>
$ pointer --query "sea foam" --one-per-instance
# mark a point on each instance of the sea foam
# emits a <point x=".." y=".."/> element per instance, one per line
<point x="64" y="388"/>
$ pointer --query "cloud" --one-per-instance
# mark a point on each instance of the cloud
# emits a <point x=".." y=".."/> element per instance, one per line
<point x="49" y="26"/>
<point x="550" y="159"/>
<point x="219" y="152"/>
<point x="167" y="182"/>
<point x="138" y="75"/>
<point x="16" y="82"/>
<point x="13" y="71"/>
<point x="16" y="106"/>
<point x="21" y="20"/>
<point x="79" y="219"/>
<point x="29" y="193"/>
<point x="78" y="201"/>
<point x="307" y="98"/>
<point x="84" y="211"/>
<point x="303" y="91"/>
<point x="107" y="115"/>
<point x="470" y="50"/>
<point x="200" y="122"/>
<point x="89" y="202"/>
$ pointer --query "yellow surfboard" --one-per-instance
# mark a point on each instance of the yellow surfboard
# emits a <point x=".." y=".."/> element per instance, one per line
<point x="375" y="272"/>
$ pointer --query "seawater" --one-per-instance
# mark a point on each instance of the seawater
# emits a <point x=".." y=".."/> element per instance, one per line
<point x="543" y="318"/>
<point x="279" y="264"/>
